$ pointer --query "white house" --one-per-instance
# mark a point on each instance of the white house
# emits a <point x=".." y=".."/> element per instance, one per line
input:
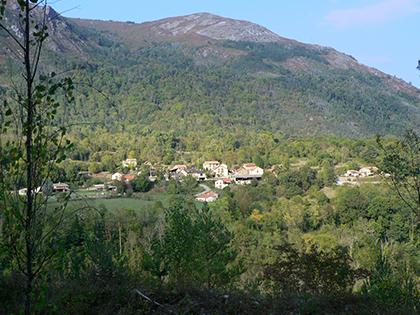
<point x="253" y="169"/>
<point x="177" y="168"/>
<point x="352" y="173"/>
<point x="23" y="191"/>
<point x="207" y="196"/>
<point x="248" y="172"/>
<point x="130" y="163"/>
<point x="117" y="177"/>
<point x="211" y="165"/>
<point x="198" y="175"/>
<point x="60" y="187"/>
<point x="366" y="172"/>
<point x="221" y="171"/>
<point x="223" y="183"/>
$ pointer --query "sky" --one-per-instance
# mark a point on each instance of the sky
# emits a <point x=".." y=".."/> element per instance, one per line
<point x="384" y="34"/>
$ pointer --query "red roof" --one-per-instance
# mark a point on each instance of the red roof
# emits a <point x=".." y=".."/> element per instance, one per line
<point x="207" y="194"/>
<point x="129" y="177"/>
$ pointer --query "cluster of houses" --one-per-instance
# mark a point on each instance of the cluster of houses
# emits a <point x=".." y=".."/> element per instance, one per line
<point x="224" y="177"/>
<point x="352" y="177"/>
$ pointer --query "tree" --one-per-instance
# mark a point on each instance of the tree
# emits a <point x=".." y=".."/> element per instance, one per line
<point x="141" y="183"/>
<point x="194" y="248"/>
<point x="314" y="271"/>
<point x="401" y="161"/>
<point x="36" y="143"/>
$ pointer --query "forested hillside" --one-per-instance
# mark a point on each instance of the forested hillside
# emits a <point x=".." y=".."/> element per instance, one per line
<point x="207" y="73"/>
<point x="200" y="165"/>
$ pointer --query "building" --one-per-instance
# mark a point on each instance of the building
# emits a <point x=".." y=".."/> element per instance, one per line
<point x="248" y="172"/>
<point x="366" y="171"/>
<point x="221" y="171"/>
<point x="211" y="165"/>
<point x="23" y="191"/>
<point x="199" y="175"/>
<point x="60" y="188"/>
<point x="207" y="196"/>
<point x="130" y="163"/>
<point x="178" y="168"/>
<point x="352" y="173"/>
<point x="128" y="178"/>
<point x="117" y="177"/>
<point x="223" y="183"/>
<point x="253" y="169"/>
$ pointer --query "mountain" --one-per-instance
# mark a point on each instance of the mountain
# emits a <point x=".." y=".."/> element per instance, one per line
<point x="201" y="72"/>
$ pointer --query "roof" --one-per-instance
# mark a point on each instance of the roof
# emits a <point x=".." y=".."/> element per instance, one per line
<point x="207" y="194"/>
<point x="60" y="185"/>
<point x="178" y="166"/>
<point x="211" y="162"/>
<point x="249" y="165"/>
<point x="226" y="180"/>
<point x="129" y="177"/>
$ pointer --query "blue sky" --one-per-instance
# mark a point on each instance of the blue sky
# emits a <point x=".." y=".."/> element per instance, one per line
<point x="380" y="33"/>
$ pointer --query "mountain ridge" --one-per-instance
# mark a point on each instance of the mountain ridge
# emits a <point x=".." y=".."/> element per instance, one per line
<point x="231" y="72"/>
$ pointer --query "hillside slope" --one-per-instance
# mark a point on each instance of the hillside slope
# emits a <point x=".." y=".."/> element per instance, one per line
<point x="203" y="71"/>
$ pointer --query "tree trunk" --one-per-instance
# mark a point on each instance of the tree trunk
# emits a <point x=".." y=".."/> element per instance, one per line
<point x="29" y="165"/>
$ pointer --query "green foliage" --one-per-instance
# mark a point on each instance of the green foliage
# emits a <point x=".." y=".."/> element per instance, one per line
<point x="141" y="183"/>
<point x="392" y="286"/>
<point x="193" y="249"/>
<point x="314" y="271"/>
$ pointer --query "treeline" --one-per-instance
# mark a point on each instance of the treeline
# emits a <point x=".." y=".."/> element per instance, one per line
<point x="303" y="253"/>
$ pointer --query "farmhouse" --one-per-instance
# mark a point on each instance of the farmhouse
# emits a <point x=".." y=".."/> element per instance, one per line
<point x="223" y="183"/>
<point x="60" y="188"/>
<point x="199" y="175"/>
<point x="177" y="168"/>
<point x="352" y="173"/>
<point x="210" y="165"/>
<point x="221" y="171"/>
<point x="367" y="171"/>
<point x="207" y="196"/>
<point x="128" y="178"/>
<point x="245" y="174"/>
<point x="23" y="191"/>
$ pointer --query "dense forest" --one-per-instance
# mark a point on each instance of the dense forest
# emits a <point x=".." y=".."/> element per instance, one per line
<point x="293" y="242"/>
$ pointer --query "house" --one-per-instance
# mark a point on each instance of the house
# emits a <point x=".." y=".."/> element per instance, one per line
<point x="221" y="171"/>
<point x="366" y="171"/>
<point x="199" y="175"/>
<point x="130" y="163"/>
<point x="352" y="173"/>
<point x="117" y="177"/>
<point x="207" y="196"/>
<point x="177" y="168"/>
<point x="210" y="165"/>
<point x="223" y="183"/>
<point x="245" y="174"/>
<point x="60" y="188"/>
<point x="23" y="191"/>
<point x="128" y="178"/>
<point x="177" y="172"/>
<point x="253" y="169"/>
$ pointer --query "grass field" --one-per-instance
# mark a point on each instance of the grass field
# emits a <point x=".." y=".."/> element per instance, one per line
<point x="139" y="202"/>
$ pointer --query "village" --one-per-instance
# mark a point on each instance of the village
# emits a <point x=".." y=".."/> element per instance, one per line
<point x="214" y="176"/>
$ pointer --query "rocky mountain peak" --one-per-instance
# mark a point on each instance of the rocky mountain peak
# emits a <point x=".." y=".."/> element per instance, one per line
<point x="215" y="27"/>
